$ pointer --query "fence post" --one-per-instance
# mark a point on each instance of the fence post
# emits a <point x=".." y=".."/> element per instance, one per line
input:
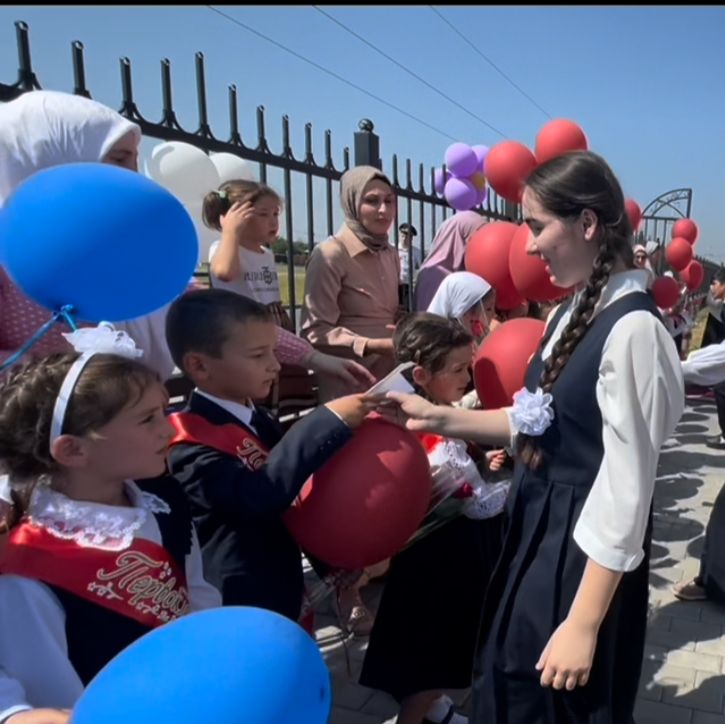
<point x="367" y="145"/>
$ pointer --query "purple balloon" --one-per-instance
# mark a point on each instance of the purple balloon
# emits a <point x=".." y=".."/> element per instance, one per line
<point x="461" y="160"/>
<point x="460" y="194"/>
<point x="482" y="196"/>
<point x="481" y="153"/>
<point x="439" y="180"/>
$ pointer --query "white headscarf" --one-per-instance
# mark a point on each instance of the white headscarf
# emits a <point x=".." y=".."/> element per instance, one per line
<point x="41" y="129"/>
<point x="457" y="293"/>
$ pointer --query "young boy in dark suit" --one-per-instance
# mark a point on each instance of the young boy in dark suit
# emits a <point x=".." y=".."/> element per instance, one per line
<point x="238" y="470"/>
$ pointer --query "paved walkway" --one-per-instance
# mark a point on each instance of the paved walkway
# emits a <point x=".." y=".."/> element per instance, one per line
<point x="683" y="679"/>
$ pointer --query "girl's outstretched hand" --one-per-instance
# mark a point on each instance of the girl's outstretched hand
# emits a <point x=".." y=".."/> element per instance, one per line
<point x="422" y="416"/>
<point x="40" y="716"/>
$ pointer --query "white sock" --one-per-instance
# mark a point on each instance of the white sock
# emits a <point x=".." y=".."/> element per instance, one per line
<point x="439" y="709"/>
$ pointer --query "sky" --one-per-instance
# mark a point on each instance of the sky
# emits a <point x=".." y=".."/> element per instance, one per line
<point x="645" y="83"/>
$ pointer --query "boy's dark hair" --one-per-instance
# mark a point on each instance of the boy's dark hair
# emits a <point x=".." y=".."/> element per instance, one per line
<point x="427" y="339"/>
<point x="719" y="275"/>
<point x="199" y="320"/>
<point x="408" y="228"/>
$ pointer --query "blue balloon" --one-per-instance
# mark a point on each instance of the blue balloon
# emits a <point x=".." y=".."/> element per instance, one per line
<point x="110" y="242"/>
<point x="225" y="665"/>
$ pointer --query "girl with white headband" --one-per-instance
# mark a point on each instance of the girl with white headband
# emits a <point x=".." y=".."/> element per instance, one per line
<point x="76" y="431"/>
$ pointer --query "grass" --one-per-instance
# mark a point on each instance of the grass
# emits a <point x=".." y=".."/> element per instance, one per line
<point x="698" y="330"/>
<point x="299" y="283"/>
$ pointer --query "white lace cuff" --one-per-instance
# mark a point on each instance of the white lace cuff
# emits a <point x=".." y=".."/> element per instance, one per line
<point x="532" y="412"/>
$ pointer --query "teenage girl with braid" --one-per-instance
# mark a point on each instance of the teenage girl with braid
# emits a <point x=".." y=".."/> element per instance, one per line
<point x="567" y="604"/>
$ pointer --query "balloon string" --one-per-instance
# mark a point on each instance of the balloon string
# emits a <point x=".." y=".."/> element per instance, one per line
<point x="64" y="315"/>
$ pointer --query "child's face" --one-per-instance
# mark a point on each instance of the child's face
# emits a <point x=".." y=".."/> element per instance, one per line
<point x="264" y="225"/>
<point x="247" y="367"/>
<point x="448" y="384"/>
<point x="478" y="318"/>
<point x="134" y="444"/>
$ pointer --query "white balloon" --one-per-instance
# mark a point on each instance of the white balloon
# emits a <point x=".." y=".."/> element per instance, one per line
<point x="183" y="169"/>
<point x="206" y="235"/>
<point x="232" y="168"/>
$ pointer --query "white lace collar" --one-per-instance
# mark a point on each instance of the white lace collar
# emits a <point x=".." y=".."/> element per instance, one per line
<point x="93" y="525"/>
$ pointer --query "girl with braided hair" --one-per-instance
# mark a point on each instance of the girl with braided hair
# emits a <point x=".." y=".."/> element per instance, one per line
<point x="564" y="620"/>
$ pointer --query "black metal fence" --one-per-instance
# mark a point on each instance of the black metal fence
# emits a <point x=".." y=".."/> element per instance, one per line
<point x="413" y="196"/>
<point x="412" y="193"/>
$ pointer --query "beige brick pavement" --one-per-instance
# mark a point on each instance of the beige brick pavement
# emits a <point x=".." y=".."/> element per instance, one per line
<point x="683" y="679"/>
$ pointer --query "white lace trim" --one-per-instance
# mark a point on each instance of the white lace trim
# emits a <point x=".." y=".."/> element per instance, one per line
<point x="93" y="525"/>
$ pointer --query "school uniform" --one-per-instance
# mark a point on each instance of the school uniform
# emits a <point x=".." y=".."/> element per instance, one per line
<point x="240" y="475"/>
<point x="615" y="402"/>
<point x="424" y="636"/>
<point x="79" y="583"/>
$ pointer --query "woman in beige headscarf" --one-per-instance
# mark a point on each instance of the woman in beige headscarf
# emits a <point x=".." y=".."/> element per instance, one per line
<point x="351" y="287"/>
<point x="350" y="307"/>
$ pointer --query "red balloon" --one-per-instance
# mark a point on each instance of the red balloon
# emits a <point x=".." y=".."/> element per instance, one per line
<point x="507" y="166"/>
<point x="365" y="502"/>
<point x="502" y="359"/>
<point x="487" y="254"/>
<point x="529" y="273"/>
<point x="634" y="213"/>
<point x="557" y="137"/>
<point x="686" y="229"/>
<point x="678" y="253"/>
<point x="666" y="292"/>
<point x="693" y="275"/>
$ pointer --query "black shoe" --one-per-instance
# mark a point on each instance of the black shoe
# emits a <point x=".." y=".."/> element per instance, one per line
<point x="716" y="443"/>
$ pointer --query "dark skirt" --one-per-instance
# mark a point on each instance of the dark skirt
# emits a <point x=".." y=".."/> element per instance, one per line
<point x="425" y="631"/>
<point x="530" y="594"/>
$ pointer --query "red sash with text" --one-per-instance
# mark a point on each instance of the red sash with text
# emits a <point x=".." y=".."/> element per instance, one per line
<point x="233" y="440"/>
<point x="142" y="582"/>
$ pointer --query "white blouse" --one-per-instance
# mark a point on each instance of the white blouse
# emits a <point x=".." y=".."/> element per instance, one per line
<point x="640" y="392"/>
<point x="35" y="671"/>
<point x="706" y="366"/>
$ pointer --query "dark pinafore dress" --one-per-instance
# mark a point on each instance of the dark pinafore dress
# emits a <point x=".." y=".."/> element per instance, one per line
<point x="541" y="566"/>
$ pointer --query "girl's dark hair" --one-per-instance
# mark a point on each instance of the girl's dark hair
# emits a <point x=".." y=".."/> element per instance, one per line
<point x="565" y="186"/>
<point x="217" y="203"/>
<point x="107" y="384"/>
<point x="427" y="339"/>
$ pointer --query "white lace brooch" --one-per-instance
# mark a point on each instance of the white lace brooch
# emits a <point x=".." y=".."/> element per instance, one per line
<point x="104" y="339"/>
<point x="532" y="412"/>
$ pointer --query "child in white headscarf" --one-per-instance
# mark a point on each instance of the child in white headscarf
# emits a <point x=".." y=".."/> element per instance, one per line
<point x="471" y="300"/>
<point x="468" y="298"/>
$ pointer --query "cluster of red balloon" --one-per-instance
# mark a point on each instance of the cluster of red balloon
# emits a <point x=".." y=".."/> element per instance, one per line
<point x="462" y="182"/>
<point x="679" y="255"/>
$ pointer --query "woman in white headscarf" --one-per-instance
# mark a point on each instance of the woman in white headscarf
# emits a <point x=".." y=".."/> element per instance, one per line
<point x="41" y="129"/>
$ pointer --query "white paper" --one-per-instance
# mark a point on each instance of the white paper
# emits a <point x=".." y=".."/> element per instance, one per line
<point x="393" y="382"/>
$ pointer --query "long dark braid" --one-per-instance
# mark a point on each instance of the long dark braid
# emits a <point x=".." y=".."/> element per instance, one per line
<point x="565" y="186"/>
